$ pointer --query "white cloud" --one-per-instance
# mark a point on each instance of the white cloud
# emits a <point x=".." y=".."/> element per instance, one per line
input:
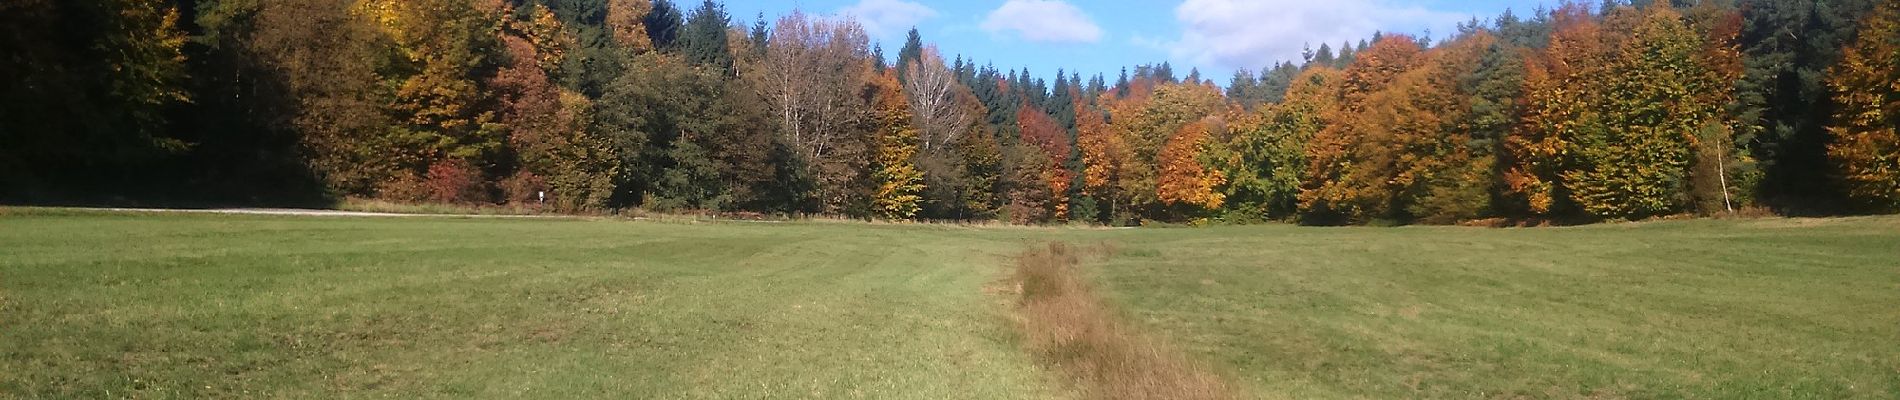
<point x="1255" y="33"/>
<point x="888" y="18"/>
<point x="1053" y="21"/>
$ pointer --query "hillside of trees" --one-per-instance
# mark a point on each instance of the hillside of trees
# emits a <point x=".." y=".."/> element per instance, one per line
<point x="1581" y="113"/>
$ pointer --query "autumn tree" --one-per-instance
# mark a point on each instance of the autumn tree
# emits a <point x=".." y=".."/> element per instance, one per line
<point x="626" y="23"/>
<point x="1574" y="53"/>
<point x="1267" y="152"/>
<point x="440" y="48"/>
<point x="1182" y="179"/>
<point x="1104" y="155"/>
<point x="548" y="126"/>
<point x="1436" y="172"/>
<point x="1620" y="147"/>
<point x="812" y="75"/>
<point x="1866" y="146"/>
<point x="900" y="184"/>
<point x="1050" y="147"/>
<point x="1145" y="122"/>
<point x="325" y="58"/>
<point x="1341" y="183"/>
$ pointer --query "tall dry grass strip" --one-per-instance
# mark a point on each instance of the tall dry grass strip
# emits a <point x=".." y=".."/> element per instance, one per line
<point x="1067" y="325"/>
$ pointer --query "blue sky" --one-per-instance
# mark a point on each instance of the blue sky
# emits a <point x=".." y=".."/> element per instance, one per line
<point x="1217" y="36"/>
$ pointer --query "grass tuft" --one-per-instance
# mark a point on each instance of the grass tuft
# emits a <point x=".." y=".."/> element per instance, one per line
<point x="1067" y="325"/>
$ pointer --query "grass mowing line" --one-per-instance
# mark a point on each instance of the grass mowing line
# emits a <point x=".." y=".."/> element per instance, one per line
<point x="1068" y="325"/>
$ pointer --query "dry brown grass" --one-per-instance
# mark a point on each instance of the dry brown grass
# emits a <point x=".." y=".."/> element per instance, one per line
<point x="1067" y="325"/>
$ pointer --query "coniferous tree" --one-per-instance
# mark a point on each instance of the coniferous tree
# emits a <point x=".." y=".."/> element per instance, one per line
<point x="663" y="24"/>
<point x="1324" y="56"/>
<point x="913" y="49"/>
<point x="1785" y="101"/>
<point x="703" y="40"/>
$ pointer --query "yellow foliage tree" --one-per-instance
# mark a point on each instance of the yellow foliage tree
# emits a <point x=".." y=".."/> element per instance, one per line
<point x="1182" y="178"/>
<point x="1333" y="190"/>
<point x="900" y="184"/>
<point x="626" y="22"/>
<point x="1866" y="84"/>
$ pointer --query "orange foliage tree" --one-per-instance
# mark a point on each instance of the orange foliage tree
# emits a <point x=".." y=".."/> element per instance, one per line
<point x="1866" y="83"/>
<point x="1147" y="122"/>
<point x="1613" y="114"/>
<point x="1183" y="180"/>
<point x="1329" y="192"/>
<point x="1040" y="131"/>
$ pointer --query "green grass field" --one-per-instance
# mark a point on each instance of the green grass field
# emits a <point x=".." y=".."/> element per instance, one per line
<point x="192" y="306"/>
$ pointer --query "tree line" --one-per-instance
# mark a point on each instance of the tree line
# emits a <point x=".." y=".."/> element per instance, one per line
<point x="1618" y="110"/>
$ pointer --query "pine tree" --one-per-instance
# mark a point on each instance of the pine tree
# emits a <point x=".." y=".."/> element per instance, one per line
<point x="1244" y="88"/>
<point x="1345" y="56"/>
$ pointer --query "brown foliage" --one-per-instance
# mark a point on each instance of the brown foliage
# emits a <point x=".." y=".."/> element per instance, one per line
<point x="454" y="181"/>
<point x="1068" y="325"/>
<point x="524" y="188"/>
<point x="1042" y="132"/>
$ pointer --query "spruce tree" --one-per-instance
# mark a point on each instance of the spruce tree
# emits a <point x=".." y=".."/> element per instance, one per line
<point x="703" y="41"/>
<point x="664" y="24"/>
<point x="913" y="50"/>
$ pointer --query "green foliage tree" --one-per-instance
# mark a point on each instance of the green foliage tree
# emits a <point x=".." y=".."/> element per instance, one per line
<point x="1786" y="103"/>
<point x="1267" y="152"/>
<point x="87" y="87"/>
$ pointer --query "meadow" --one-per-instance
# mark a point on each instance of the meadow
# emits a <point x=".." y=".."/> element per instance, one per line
<point x="96" y="304"/>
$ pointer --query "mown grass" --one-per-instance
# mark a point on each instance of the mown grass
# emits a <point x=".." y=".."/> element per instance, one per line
<point x="194" y="306"/>
<point x="1774" y="308"/>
